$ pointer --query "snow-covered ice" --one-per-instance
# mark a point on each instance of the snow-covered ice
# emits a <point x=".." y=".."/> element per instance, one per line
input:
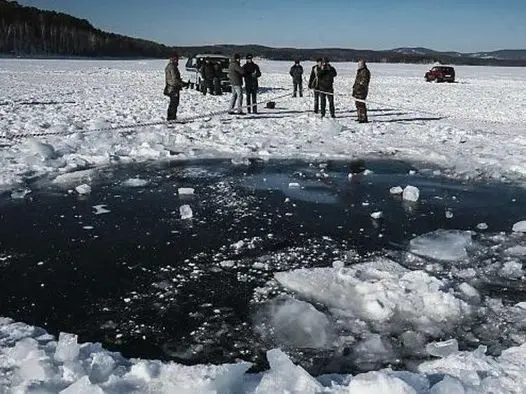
<point x="29" y="365"/>
<point x="493" y="148"/>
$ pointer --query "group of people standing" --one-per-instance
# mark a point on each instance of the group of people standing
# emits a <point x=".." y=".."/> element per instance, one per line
<point x="321" y="82"/>
<point x="211" y="73"/>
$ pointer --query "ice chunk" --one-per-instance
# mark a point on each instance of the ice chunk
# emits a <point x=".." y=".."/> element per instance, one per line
<point x="482" y="226"/>
<point x="34" y="369"/>
<point x="411" y="193"/>
<point x="294" y="185"/>
<point x="227" y="263"/>
<point x="338" y="264"/>
<point x="386" y="296"/>
<point x="298" y="324"/>
<point x="373" y="350"/>
<point x="511" y="270"/>
<point x="442" y="349"/>
<point x="520" y="227"/>
<point x="135" y="182"/>
<point x="443" y="245"/>
<point x="379" y="383"/>
<point x="67" y="347"/>
<point x="469" y="291"/>
<point x="83" y="386"/>
<point x="449" y="215"/>
<point x="448" y="385"/>
<point x="102" y="365"/>
<point x="516" y="251"/>
<point x="285" y="377"/>
<point x="20" y="194"/>
<point x="46" y="151"/>
<point x="83" y="189"/>
<point x="23" y="349"/>
<point x="413" y="343"/>
<point x="100" y="209"/>
<point x="185" y="212"/>
<point x="185" y="191"/>
<point x="396" y="190"/>
<point x="377" y="215"/>
<point x="241" y="161"/>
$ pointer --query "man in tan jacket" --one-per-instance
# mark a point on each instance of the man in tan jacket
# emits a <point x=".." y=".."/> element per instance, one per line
<point x="174" y="84"/>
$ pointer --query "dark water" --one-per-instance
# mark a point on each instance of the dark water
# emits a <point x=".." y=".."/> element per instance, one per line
<point x="146" y="283"/>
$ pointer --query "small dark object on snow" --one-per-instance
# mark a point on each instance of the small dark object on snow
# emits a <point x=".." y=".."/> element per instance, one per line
<point x="271" y="105"/>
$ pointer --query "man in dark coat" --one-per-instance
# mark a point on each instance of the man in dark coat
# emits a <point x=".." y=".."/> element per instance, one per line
<point x="207" y="74"/>
<point x="173" y="86"/>
<point x="314" y="85"/>
<point x="360" y="90"/>
<point x="252" y="73"/>
<point x="235" y="75"/>
<point x="326" y="86"/>
<point x="218" y="74"/>
<point x="296" y="72"/>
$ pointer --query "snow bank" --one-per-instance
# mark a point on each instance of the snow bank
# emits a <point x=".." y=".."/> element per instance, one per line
<point x="32" y="362"/>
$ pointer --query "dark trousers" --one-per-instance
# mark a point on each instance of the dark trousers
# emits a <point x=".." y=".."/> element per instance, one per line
<point x="252" y="100"/>
<point x="172" y="107"/>
<point x="298" y="86"/>
<point x="217" y="86"/>
<point x="316" y="102"/>
<point x="361" y="108"/>
<point x="324" y="97"/>
<point x="207" y="84"/>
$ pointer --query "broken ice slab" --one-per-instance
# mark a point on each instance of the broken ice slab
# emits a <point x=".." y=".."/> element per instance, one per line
<point x="185" y="191"/>
<point x="186" y="212"/>
<point x="442" y="349"/>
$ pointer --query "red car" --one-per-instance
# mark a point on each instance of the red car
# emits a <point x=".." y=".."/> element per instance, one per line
<point x="440" y="74"/>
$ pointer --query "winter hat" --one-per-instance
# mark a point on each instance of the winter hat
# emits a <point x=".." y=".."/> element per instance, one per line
<point x="325" y="59"/>
<point x="249" y="56"/>
<point x="237" y="56"/>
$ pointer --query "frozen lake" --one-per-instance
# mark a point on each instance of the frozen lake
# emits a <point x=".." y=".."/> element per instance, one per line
<point x="281" y="249"/>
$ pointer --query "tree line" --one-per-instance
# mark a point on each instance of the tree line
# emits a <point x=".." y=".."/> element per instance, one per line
<point x="28" y="31"/>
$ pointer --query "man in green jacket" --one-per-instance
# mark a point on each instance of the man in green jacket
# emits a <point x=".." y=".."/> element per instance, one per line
<point x="174" y="84"/>
<point x="360" y="90"/>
